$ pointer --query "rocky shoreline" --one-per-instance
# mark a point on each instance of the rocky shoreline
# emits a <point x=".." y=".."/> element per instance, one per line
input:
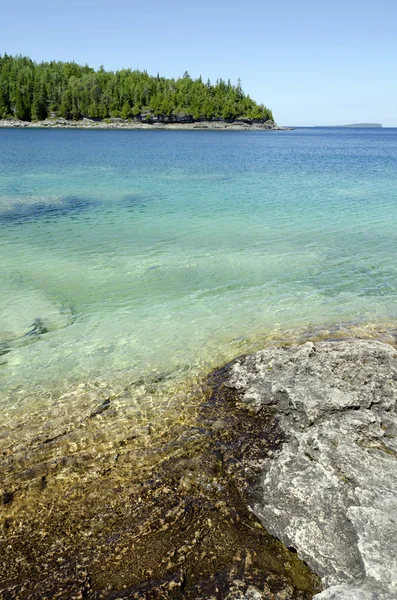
<point x="330" y="492"/>
<point x="277" y="470"/>
<point x="152" y="123"/>
<point x="111" y="505"/>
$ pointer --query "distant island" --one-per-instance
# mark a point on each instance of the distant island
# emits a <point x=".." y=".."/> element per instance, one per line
<point x="362" y="125"/>
<point x="65" y="93"/>
<point x="356" y="125"/>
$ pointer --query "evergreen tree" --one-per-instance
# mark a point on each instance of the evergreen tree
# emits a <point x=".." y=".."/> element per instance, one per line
<point x="34" y="91"/>
<point x="39" y="104"/>
<point x="126" y="110"/>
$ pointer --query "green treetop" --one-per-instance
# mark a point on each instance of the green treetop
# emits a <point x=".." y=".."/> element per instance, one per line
<point x="31" y="91"/>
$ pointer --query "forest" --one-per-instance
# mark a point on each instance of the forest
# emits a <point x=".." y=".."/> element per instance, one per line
<point x="33" y="92"/>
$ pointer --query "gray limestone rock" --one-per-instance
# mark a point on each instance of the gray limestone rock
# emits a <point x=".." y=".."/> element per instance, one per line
<point x="331" y="491"/>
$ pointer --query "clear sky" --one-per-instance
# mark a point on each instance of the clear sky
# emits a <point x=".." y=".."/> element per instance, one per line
<point x="313" y="62"/>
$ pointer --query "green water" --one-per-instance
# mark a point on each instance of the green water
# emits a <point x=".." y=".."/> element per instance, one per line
<point x="168" y="252"/>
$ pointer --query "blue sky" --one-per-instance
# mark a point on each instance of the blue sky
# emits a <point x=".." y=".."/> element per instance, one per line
<point x="311" y="62"/>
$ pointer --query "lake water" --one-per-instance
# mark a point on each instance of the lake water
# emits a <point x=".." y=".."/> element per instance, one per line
<point x="144" y="253"/>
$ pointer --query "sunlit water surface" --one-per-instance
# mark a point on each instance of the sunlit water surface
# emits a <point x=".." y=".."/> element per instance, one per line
<point x="136" y="254"/>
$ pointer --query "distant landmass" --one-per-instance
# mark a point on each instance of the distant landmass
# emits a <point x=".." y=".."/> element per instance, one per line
<point x="362" y="125"/>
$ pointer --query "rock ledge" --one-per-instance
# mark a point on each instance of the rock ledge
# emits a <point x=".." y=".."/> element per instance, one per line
<point x="142" y="123"/>
<point x="330" y="492"/>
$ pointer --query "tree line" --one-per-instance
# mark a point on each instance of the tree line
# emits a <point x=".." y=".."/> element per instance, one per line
<point x="31" y="91"/>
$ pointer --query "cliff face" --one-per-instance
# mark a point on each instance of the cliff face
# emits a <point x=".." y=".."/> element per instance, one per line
<point x="330" y="492"/>
<point x="182" y="118"/>
<point x="146" y="122"/>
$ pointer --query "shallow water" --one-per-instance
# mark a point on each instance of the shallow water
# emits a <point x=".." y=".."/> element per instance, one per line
<point x="168" y="252"/>
<point x="133" y="262"/>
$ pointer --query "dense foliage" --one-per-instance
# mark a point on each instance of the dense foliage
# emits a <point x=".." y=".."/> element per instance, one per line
<point x="31" y="91"/>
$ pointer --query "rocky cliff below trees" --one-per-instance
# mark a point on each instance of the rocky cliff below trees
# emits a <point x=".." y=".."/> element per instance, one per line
<point x="147" y="122"/>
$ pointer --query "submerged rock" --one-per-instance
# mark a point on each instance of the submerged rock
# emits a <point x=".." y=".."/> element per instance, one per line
<point x="294" y="442"/>
<point x="130" y="506"/>
<point x="39" y="327"/>
<point x="330" y="491"/>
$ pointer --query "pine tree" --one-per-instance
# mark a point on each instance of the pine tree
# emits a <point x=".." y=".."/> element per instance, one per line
<point x="39" y="105"/>
<point x="32" y="91"/>
<point x="126" y="111"/>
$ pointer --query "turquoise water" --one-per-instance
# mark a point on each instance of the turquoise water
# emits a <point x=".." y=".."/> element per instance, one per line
<point x="148" y="252"/>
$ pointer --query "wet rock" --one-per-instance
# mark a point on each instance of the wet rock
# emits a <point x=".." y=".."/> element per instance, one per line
<point x="330" y="491"/>
<point x="7" y="497"/>
<point x="19" y="213"/>
<point x="101" y="408"/>
<point x="104" y="511"/>
<point x="37" y="328"/>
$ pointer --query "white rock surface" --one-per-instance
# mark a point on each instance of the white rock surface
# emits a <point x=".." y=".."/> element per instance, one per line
<point x="331" y="491"/>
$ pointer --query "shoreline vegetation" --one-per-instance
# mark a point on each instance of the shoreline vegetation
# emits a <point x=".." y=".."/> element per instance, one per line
<point x="65" y="94"/>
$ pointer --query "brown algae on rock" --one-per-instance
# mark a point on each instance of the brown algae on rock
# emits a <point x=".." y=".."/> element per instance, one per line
<point x="142" y="490"/>
<point x="120" y="505"/>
